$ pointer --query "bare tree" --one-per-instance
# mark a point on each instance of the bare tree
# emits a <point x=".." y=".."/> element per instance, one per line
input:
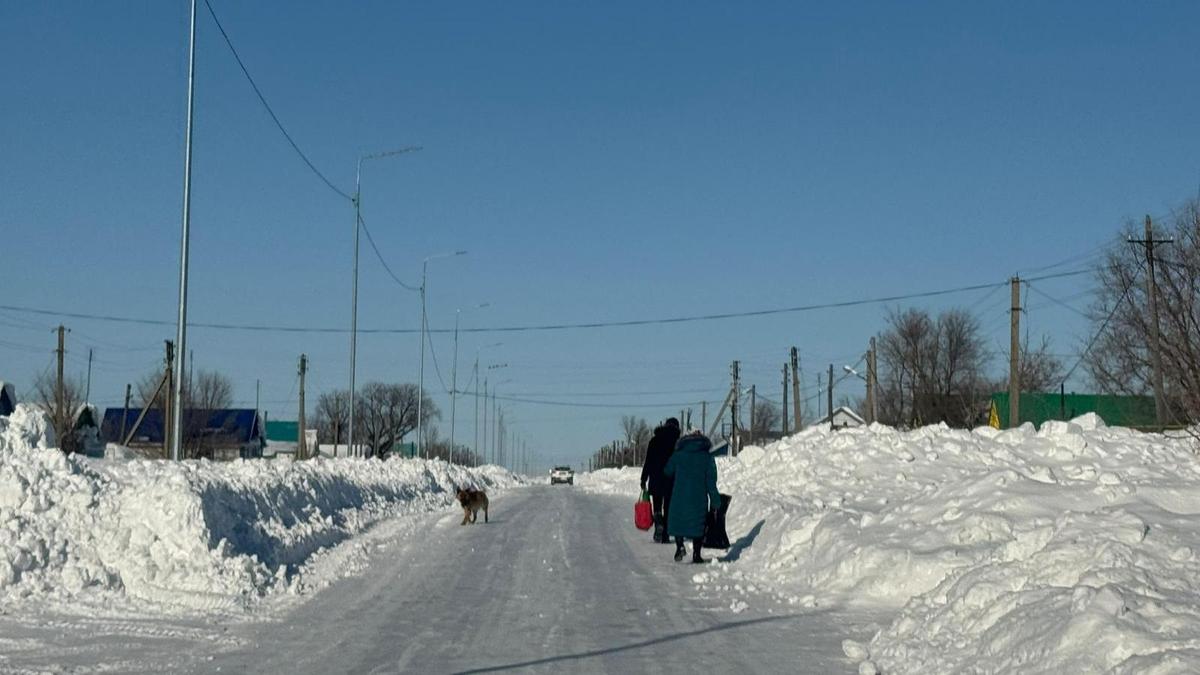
<point x="332" y="415"/>
<point x="62" y="419"/>
<point x="766" y="419"/>
<point x="637" y="436"/>
<point x="1119" y="361"/>
<point x="387" y="413"/>
<point x="933" y="369"/>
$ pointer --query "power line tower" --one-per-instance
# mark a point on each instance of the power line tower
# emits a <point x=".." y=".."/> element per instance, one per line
<point x="1160" y="401"/>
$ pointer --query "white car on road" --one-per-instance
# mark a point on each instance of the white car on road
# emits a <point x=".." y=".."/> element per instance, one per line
<point x="562" y="474"/>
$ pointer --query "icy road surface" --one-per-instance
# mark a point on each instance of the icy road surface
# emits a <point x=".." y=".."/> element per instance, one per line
<point x="558" y="581"/>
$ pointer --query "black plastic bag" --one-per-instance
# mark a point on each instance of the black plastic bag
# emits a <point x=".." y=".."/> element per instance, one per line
<point x="714" y="527"/>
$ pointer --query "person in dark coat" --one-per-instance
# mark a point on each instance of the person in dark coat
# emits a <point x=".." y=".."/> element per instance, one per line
<point x="694" y="493"/>
<point x="662" y="444"/>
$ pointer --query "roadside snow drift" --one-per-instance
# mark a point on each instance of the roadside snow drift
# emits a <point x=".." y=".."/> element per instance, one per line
<point x="1075" y="548"/>
<point x="198" y="534"/>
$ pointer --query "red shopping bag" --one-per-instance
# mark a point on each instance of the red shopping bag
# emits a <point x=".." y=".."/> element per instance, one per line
<point x="643" y="515"/>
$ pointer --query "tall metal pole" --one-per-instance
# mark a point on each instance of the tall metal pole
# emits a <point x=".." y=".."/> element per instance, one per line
<point x="454" y="381"/>
<point x="421" y="375"/>
<point x="475" y="447"/>
<point x="354" y="306"/>
<point x="485" y="419"/>
<point x="357" y="199"/>
<point x="181" y="329"/>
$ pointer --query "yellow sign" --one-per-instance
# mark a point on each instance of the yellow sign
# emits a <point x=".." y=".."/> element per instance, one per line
<point x="994" y="417"/>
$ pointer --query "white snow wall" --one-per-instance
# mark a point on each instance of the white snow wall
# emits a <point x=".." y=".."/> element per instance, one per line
<point x="200" y="534"/>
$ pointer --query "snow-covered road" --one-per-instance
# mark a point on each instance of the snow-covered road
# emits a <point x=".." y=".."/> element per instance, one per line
<point x="558" y="580"/>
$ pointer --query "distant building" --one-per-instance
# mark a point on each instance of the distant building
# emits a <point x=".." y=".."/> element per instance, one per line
<point x="843" y="418"/>
<point x="8" y="398"/>
<point x="1135" y="412"/>
<point x="217" y="434"/>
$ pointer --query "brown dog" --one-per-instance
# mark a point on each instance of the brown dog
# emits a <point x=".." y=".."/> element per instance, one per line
<point x="472" y="501"/>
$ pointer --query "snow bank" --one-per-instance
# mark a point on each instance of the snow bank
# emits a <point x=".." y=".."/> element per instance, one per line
<point x="1073" y="548"/>
<point x="197" y="534"/>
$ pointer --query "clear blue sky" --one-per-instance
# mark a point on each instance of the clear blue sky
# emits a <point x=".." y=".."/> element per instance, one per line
<point x="615" y="161"/>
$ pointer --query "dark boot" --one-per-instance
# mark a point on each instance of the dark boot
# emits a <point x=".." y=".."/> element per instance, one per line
<point x="679" y="550"/>
<point x="696" y="551"/>
<point x="660" y="534"/>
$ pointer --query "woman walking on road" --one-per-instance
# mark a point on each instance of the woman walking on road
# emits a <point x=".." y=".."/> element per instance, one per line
<point x="657" y="453"/>
<point x="694" y="494"/>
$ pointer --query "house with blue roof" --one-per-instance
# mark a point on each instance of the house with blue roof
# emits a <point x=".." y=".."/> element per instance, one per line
<point x="223" y="434"/>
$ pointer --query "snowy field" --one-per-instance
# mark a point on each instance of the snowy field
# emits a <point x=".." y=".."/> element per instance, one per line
<point x="1073" y="548"/>
<point x="197" y="537"/>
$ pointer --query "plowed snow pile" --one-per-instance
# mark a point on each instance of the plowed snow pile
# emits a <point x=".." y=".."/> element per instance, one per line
<point x="1075" y="548"/>
<point x="197" y="534"/>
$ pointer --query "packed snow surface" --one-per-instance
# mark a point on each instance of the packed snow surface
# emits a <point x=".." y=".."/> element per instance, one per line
<point x="195" y="534"/>
<point x="1073" y="548"/>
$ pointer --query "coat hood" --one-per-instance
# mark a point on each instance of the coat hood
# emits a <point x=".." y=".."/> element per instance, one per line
<point x="694" y="443"/>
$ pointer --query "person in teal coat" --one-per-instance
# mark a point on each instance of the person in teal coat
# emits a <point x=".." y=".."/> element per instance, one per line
<point x="695" y="491"/>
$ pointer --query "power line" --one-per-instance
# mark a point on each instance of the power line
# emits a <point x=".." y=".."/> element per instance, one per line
<point x="1055" y="300"/>
<point x="263" y="100"/>
<point x="1092" y="343"/>
<point x="542" y="327"/>
<point x="578" y="404"/>
<point x="371" y="240"/>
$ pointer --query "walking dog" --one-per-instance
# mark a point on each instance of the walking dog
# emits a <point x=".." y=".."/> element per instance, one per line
<point x="472" y="501"/>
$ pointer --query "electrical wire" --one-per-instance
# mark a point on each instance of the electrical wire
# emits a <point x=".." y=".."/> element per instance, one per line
<point x="541" y="327"/>
<point x="371" y="240"/>
<point x="263" y="99"/>
<point x="1092" y="343"/>
<point x="1056" y="301"/>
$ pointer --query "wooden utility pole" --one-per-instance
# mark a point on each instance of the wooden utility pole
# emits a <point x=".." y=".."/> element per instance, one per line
<point x="87" y="392"/>
<point x="784" y="427"/>
<point x="829" y="393"/>
<point x="753" y="402"/>
<point x="59" y="394"/>
<point x="703" y="414"/>
<point x="796" y="389"/>
<point x="1160" y="400"/>
<point x="1014" y="358"/>
<point x="733" y="407"/>
<point x="125" y="416"/>
<point x="820" y="392"/>
<point x="872" y="384"/>
<point x="168" y="427"/>
<point x="302" y="441"/>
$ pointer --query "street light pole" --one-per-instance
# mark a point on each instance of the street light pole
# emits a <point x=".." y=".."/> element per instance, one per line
<point x="181" y="329"/>
<point x="357" y="199"/>
<point x="421" y="371"/>
<point x="454" y="375"/>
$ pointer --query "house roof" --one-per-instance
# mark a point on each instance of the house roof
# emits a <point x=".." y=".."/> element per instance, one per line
<point x="845" y="411"/>
<point x="230" y="425"/>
